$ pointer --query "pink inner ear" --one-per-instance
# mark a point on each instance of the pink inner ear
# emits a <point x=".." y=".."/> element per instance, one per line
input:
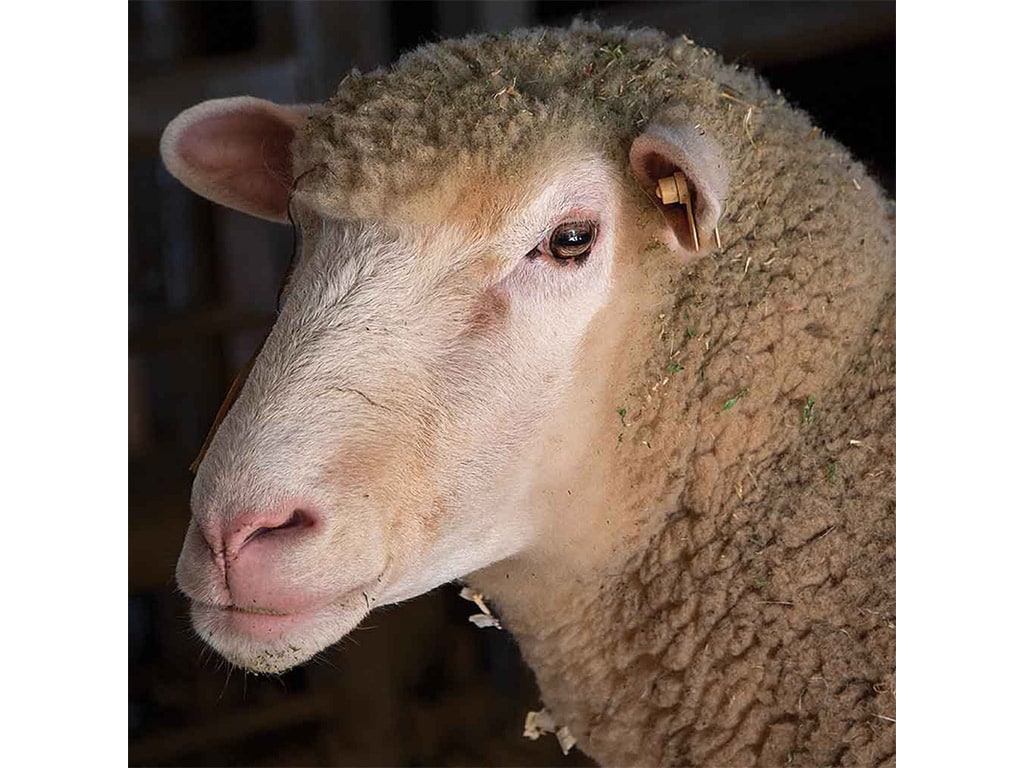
<point x="242" y="159"/>
<point x="660" y="152"/>
<point x="649" y="166"/>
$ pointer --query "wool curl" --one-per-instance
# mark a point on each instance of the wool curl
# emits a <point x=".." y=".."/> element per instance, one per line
<point x="395" y="129"/>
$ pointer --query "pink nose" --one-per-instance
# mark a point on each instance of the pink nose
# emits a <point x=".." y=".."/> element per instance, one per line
<point x="253" y="558"/>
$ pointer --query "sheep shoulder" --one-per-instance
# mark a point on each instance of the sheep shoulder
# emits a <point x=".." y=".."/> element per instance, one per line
<point x="758" y="630"/>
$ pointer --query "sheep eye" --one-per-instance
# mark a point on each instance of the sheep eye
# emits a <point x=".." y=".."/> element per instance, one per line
<point x="573" y="240"/>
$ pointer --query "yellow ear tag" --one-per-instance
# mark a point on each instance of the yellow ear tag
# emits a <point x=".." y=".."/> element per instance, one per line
<point x="673" y="189"/>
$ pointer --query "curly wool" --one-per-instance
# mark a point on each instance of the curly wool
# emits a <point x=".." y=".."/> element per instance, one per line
<point x="395" y="129"/>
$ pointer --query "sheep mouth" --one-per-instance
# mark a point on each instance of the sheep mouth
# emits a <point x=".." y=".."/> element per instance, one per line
<point x="258" y="610"/>
<point x="254" y="610"/>
<point x="266" y="640"/>
<point x="357" y="597"/>
<point x="267" y="623"/>
<point x="269" y="642"/>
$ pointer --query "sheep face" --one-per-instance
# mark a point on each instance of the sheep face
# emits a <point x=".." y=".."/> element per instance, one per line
<point x="439" y="362"/>
<point x="388" y="434"/>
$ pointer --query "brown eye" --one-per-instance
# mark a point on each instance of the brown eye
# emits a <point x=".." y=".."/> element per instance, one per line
<point x="573" y="240"/>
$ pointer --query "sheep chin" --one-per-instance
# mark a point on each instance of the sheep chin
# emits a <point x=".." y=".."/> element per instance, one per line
<point x="270" y="644"/>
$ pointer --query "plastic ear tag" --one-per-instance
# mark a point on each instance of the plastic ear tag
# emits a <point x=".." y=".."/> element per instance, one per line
<point x="673" y="189"/>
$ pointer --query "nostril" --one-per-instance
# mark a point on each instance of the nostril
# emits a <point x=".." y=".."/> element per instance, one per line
<point x="249" y="528"/>
<point x="298" y="519"/>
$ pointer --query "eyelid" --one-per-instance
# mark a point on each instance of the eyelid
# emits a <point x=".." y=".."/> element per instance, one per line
<point x="574" y="220"/>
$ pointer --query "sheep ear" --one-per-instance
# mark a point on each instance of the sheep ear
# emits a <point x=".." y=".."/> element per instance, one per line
<point x="236" y="152"/>
<point x="681" y="169"/>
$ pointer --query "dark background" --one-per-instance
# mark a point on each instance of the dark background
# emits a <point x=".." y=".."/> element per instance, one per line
<point x="416" y="684"/>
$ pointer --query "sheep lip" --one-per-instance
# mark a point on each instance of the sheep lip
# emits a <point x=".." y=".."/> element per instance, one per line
<point x="246" y="619"/>
<point x="335" y="604"/>
<point x="267" y="640"/>
<point x="254" y="610"/>
<point x="250" y="639"/>
<point x="264" y="616"/>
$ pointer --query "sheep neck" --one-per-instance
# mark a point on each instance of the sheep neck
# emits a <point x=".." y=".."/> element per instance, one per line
<point x="699" y="455"/>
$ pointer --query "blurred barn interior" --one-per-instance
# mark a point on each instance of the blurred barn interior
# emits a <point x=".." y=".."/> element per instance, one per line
<point x="418" y="685"/>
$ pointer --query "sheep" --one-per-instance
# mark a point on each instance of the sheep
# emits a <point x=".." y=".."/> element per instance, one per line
<point x="601" y="326"/>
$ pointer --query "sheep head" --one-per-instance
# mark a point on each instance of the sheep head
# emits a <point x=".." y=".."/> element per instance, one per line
<point x="395" y="430"/>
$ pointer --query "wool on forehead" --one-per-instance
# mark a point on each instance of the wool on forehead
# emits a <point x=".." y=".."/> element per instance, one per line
<point x="492" y="97"/>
